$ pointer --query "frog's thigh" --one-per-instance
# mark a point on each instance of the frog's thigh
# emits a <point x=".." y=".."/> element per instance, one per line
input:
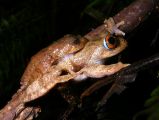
<point x="97" y="71"/>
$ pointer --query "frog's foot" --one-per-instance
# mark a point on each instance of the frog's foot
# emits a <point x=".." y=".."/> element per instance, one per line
<point x="28" y="113"/>
<point x="114" y="28"/>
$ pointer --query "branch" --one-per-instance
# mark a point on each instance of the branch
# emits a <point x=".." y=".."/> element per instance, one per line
<point x="132" y="15"/>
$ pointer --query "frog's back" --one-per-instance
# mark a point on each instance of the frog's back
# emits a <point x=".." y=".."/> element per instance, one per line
<point x="49" y="56"/>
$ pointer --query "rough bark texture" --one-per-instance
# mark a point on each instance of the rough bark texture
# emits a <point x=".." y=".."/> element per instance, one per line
<point x="132" y="15"/>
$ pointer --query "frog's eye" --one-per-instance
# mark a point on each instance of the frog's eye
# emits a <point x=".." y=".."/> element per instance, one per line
<point x="109" y="42"/>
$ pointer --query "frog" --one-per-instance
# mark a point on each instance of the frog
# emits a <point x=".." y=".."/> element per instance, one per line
<point x="70" y="58"/>
<point x="89" y="62"/>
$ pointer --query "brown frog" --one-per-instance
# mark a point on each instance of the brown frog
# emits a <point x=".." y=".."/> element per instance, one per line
<point x="69" y="58"/>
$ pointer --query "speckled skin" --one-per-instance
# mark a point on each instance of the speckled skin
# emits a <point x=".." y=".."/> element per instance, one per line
<point x="78" y="57"/>
<point x="80" y="64"/>
<point x="89" y="61"/>
<point x="43" y="61"/>
<point x="39" y="76"/>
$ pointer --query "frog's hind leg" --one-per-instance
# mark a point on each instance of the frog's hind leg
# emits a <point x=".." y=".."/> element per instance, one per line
<point x="40" y="87"/>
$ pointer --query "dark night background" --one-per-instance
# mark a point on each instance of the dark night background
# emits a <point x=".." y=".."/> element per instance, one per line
<point x="28" y="26"/>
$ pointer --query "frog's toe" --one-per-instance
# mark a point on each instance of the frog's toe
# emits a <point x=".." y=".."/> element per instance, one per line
<point x="118" y="32"/>
<point x="113" y="28"/>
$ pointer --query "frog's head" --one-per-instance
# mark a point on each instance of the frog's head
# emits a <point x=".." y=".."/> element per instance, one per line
<point x="112" y="45"/>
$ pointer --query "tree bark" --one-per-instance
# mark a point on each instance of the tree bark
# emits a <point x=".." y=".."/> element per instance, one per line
<point x="132" y="15"/>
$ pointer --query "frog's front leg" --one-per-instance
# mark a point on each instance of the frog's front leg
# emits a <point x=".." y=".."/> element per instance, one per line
<point x="114" y="28"/>
<point x="98" y="71"/>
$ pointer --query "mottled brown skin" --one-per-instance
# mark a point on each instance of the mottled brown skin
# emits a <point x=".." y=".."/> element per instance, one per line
<point x="44" y="59"/>
<point x="78" y="57"/>
<point x="40" y="66"/>
<point x="78" y="65"/>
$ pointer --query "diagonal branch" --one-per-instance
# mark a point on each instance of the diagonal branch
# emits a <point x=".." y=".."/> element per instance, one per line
<point x="132" y="15"/>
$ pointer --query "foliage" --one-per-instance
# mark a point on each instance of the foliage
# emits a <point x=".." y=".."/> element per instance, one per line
<point x="152" y="107"/>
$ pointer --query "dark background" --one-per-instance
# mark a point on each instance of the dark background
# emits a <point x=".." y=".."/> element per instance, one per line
<point x="28" y="26"/>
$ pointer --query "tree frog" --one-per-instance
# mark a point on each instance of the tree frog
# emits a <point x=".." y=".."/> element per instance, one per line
<point x="70" y="58"/>
<point x="86" y="61"/>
